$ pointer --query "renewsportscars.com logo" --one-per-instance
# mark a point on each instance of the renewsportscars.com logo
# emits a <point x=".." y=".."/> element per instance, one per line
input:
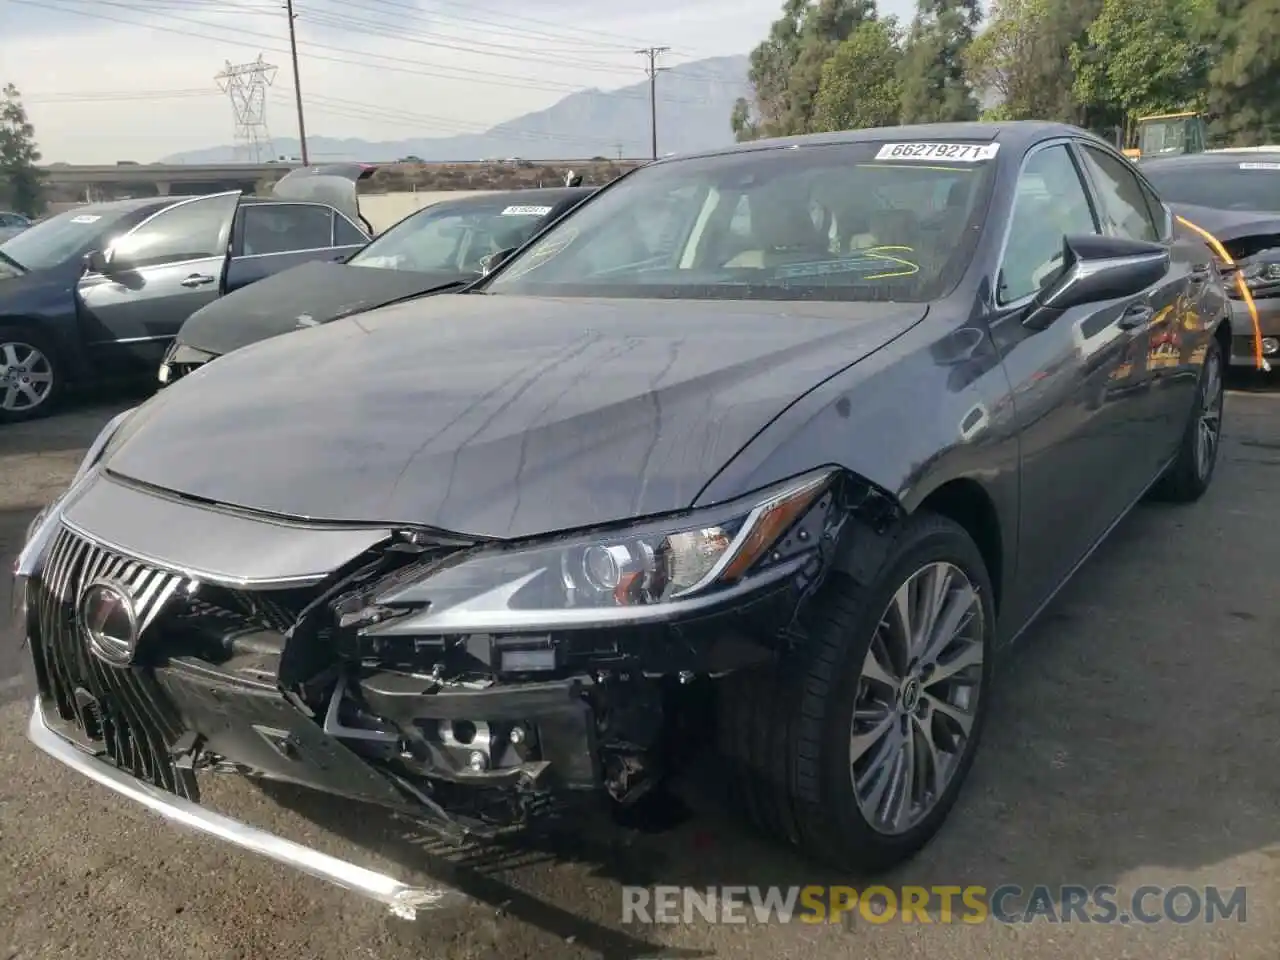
<point x="1008" y="903"/>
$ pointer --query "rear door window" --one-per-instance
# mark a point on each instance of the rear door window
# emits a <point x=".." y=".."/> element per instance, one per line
<point x="285" y="228"/>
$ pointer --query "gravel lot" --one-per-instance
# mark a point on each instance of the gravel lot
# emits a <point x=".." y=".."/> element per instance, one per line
<point x="1135" y="739"/>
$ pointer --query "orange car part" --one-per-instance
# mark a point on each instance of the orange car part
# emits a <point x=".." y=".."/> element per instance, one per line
<point x="1258" y="359"/>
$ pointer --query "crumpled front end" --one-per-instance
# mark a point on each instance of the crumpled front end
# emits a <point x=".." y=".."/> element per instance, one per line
<point x="173" y="640"/>
<point x="180" y="360"/>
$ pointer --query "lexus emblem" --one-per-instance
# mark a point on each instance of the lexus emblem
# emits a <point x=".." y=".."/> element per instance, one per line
<point x="110" y="622"/>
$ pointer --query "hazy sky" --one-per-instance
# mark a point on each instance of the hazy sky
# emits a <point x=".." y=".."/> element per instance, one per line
<point x="108" y="80"/>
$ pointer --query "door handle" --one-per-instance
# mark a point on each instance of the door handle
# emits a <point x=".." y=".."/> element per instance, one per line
<point x="1136" y="315"/>
<point x="198" y="280"/>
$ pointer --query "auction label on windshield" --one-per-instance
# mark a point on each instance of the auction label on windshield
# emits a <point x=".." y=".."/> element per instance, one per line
<point x="526" y="211"/>
<point x="1256" y="165"/>
<point x="961" y="152"/>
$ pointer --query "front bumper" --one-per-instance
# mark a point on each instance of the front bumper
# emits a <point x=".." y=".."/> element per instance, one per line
<point x="404" y="900"/>
<point x="1242" y="332"/>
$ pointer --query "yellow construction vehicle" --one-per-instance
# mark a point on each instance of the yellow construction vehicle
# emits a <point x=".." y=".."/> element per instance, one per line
<point x="1167" y="134"/>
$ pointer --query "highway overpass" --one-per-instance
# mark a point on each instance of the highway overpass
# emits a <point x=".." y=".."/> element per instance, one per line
<point x="162" y="178"/>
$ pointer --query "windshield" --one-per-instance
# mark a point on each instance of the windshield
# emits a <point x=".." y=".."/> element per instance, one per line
<point x="61" y="238"/>
<point x="820" y="222"/>
<point x="454" y="238"/>
<point x="1164" y="136"/>
<point x="1249" y="185"/>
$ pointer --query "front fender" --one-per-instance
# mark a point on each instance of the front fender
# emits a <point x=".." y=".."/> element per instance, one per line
<point x="930" y="408"/>
<point x="47" y="303"/>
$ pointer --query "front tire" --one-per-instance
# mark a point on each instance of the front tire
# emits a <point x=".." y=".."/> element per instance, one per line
<point x="1191" y="472"/>
<point x="855" y="748"/>
<point x="30" y="375"/>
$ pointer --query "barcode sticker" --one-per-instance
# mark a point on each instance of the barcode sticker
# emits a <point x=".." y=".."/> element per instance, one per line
<point x="954" y="152"/>
<point x="1256" y="165"/>
<point x="526" y="211"/>
<point x="85" y="218"/>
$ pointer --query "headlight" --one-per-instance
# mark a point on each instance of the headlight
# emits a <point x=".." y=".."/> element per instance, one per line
<point x="646" y="572"/>
<point x="1263" y="274"/>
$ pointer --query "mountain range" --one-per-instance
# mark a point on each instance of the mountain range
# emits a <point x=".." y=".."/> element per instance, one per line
<point x="695" y="101"/>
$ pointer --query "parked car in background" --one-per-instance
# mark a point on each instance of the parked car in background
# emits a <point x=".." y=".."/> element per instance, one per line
<point x="441" y="247"/>
<point x="11" y="224"/>
<point x="101" y="290"/>
<point x="1235" y="195"/>
<point x="769" y="449"/>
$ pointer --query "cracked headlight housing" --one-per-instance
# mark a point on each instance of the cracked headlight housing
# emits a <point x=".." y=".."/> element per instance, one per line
<point x="650" y="571"/>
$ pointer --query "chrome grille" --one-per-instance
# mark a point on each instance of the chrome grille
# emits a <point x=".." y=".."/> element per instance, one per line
<point x="121" y="708"/>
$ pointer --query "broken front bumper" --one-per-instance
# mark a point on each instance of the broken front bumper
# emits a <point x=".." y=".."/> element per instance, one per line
<point x="404" y="900"/>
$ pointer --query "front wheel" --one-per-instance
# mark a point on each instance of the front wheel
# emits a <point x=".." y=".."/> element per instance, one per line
<point x="855" y="749"/>
<point x="30" y="376"/>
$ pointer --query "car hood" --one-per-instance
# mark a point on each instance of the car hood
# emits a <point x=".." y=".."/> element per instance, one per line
<point x="494" y="416"/>
<point x="30" y="291"/>
<point x="1228" y="225"/>
<point x="304" y="296"/>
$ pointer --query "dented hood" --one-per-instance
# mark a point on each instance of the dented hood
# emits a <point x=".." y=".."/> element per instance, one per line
<point x="334" y="184"/>
<point x="305" y="296"/>
<point x="494" y="416"/>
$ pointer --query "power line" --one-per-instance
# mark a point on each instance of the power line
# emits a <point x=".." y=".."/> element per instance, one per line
<point x="652" y="53"/>
<point x="380" y="62"/>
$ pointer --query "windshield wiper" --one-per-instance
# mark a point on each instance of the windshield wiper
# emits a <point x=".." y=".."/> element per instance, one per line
<point x="9" y="260"/>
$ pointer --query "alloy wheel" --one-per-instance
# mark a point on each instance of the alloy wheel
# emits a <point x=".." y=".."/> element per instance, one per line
<point x="917" y="697"/>
<point x="1209" y="418"/>
<point x="26" y="377"/>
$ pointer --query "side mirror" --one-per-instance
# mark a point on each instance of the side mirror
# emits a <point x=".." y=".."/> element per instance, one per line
<point x="95" y="261"/>
<point x="1095" y="269"/>
<point x="494" y="260"/>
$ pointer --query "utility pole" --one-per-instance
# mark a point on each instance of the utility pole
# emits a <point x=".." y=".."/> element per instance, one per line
<point x="652" y="53"/>
<point x="297" y="82"/>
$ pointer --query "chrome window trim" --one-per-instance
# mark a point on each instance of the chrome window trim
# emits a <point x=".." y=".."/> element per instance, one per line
<point x="293" y="253"/>
<point x="1064" y="141"/>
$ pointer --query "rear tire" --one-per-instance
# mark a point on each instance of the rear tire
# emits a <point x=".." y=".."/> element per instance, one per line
<point x="789" y="734"/>
<point x="31" y="376"/>
<point x="1191" y="472"/>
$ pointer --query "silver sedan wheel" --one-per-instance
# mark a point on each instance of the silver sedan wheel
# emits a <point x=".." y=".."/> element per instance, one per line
<point x="1209" y="417"/>
<point x="26" y="377"/>
<point x="917" y="697"/>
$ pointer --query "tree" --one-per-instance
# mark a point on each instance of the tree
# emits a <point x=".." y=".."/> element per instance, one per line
<point x="786" y="68"/>
<point x="1145" y="58"/>
<point x="20" y="179"/>
<point x="860" y="85"/>
<point x="934" y="85"/>
<point x="1023" y="56"/>
<point x="1244" y="84"/>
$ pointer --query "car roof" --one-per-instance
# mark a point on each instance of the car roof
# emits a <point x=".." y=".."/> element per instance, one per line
<point x="1209" y="161"/>
<point x="123" y="206"/>
<point x="1016" y="134"/>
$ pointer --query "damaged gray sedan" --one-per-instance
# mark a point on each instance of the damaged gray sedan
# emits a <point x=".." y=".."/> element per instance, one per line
<point x="787" y="439"/>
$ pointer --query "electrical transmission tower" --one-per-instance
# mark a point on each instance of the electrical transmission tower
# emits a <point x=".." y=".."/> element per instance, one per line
<point x="246" y="84"/>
